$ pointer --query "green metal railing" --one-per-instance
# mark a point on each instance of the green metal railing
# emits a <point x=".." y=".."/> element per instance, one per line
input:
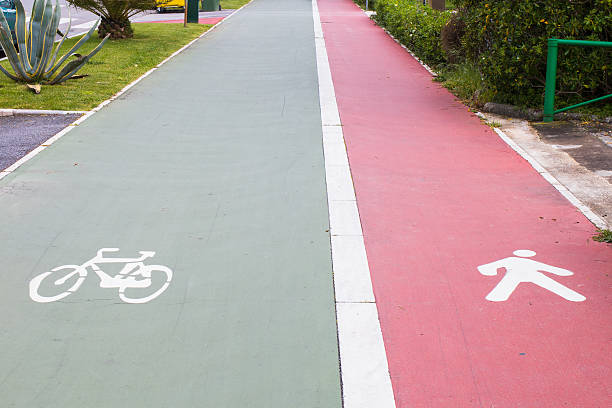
<point x="551" y="75"/>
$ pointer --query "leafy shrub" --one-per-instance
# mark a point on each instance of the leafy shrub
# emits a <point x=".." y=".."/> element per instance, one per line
<point x="506" y="39"/>
<point x="465" y="81"/>
<point x="362" y="4"/>
<point x="450" y="37"/>
<point x="416" y="26"/>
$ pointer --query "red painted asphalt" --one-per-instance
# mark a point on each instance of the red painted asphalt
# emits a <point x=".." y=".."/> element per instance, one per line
<point x="440" y="194"/>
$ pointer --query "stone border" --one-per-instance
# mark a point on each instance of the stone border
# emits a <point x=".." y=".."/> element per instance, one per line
<point x="16" y="112"/>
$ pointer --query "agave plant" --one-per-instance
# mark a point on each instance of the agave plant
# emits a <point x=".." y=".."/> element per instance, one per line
<point x="34" y="61"/>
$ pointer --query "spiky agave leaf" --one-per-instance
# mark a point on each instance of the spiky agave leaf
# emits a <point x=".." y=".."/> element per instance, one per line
<point x="6" y="40"/>
<point x="64" y="36"/>
<point x="47" y="41"/>
<point x="35" y="61"/>
<point x="38" y="11"/>
<point x="73" y="66"/>
<point x="71" y="51"/>
<point x="21" y="34"/>
<point x="40" y="15"/>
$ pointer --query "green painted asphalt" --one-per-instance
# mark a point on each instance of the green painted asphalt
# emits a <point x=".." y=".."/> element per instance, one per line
<point x="215" y="163"/>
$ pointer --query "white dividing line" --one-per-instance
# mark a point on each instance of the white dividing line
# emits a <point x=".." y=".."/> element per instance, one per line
<point x="67" y="129"/>
<point x="363" y="362"/>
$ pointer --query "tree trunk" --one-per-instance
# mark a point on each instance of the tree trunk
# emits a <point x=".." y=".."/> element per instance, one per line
<point x="118" y="29"/>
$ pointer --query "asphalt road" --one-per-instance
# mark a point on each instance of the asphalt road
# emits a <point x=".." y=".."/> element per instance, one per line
<point x="81" y="20"/>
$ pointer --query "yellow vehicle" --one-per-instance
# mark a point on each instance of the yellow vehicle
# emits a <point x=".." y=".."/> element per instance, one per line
<point x="163" y="5"/>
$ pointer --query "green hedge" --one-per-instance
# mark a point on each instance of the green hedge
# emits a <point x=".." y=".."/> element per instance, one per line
<point x="362" y="3"/>
<point x="506" y="39"/>
<point x="415" y="25"/>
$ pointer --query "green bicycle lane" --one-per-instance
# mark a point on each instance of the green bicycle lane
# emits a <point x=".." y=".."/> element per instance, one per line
<point x="215" y="163"/>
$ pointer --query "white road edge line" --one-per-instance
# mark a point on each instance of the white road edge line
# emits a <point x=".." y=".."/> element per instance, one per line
<point x="77" y="122"/>
<point x="364" y="370"/>
<point x="16" y="112"/>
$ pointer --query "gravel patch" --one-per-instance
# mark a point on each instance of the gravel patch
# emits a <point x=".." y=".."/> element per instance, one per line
<point x="22" y="133"/>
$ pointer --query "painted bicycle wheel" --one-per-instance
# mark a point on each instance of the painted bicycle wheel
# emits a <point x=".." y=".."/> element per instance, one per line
<point x="160" y="278"/>
<point x="56" y="279"/>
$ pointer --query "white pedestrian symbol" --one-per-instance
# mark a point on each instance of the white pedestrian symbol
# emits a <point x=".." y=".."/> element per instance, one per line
<point x="134" y="275"/>
<point x="519" y="270"/>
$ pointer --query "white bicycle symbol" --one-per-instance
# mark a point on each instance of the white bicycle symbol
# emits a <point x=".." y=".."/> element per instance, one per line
<point x="135" y="274"/>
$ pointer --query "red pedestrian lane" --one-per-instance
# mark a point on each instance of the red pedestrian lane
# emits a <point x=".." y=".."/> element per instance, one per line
<point x="440" y="194"/>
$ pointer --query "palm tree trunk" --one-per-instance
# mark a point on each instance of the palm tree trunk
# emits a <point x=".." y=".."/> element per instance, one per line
<point x="118" y="29"/>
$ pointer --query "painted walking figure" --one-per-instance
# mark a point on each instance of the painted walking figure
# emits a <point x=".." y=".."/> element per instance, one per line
<point x="519" y="269"/>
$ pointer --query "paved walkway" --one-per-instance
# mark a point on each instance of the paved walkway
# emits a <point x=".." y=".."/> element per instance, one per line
<point x="440" y="195"/>
<point x="215" y="163"/>
<point x="193" y="220"/>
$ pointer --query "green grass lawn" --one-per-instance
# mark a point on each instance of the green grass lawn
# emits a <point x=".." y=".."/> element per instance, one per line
<point x="232" y="4"/>
<point x="117" y="64"/>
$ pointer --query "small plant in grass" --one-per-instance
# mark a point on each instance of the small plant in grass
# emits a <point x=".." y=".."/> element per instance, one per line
<point x="604" y="235"/>
<point x="35" y="62"/>
<point x="465" y="81"/>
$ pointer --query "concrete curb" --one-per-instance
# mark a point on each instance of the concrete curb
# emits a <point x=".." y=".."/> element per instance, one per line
<point x="15" y="112"/>
<point x="424" y="65"/>
<point x="535" y="115"/>
<point x="371" y="15"/>
<point x="565" y="192"/>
